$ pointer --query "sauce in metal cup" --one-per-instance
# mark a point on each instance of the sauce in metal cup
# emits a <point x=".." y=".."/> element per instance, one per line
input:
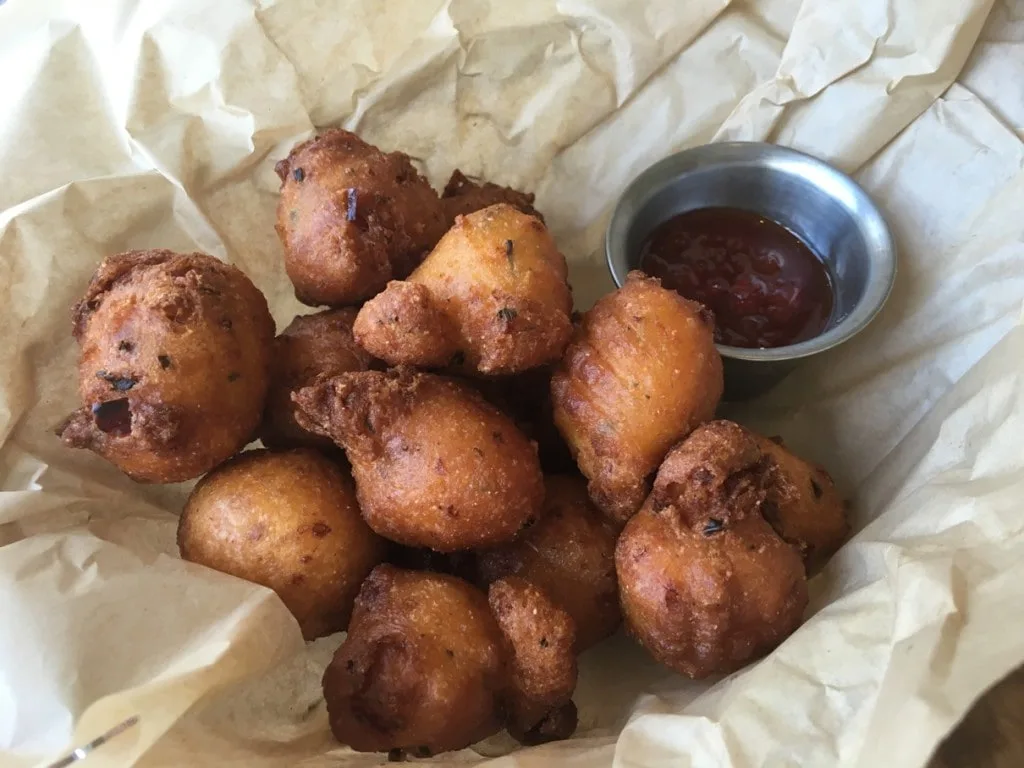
<point x="822" y="207"/>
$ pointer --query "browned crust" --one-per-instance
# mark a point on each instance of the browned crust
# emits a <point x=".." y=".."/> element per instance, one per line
<point x="462" y="195"/>
<point x="541" y="639"/>
<point x="174" y="366"/>
<point x="436" y="465"/>
<point x="351" y="217"/>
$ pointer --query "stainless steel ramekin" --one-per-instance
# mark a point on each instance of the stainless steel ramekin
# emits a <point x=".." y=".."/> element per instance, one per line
<point x="825" y="208"/>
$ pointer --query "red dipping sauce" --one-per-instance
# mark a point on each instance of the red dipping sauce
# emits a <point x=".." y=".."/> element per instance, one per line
<point x="766" y="288"/>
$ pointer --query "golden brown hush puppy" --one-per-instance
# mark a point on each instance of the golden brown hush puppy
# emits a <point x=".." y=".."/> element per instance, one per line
<point x="706" y="585"/>
<point x="174" y="366"/>
<point x="491" y="298"/>
<point x="803" y="505"/>
<point x="290" y="522"/>
<point x="798" y="499"/>
<point x="311" y="345"/>
<point x="423" y="667"/>
<point x="435" y="464"/>
<point x="462" y="196"/>
<point x="351" y="218"/>
<point x="406" y="325"/>
<point x="540" y="638"/>
<point x="570" y="554"/>
<point x="718" y="471"/>
<point x="640" y="373"/>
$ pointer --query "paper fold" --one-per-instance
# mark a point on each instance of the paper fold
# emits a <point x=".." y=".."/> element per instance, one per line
<point x="156" y="124"/>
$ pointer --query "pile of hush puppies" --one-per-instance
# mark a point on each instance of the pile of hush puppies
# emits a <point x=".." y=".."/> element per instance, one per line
<point x="474" y="481"/>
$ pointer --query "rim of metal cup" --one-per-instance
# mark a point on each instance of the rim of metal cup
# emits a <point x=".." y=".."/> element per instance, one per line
<point x="830" y="180"/>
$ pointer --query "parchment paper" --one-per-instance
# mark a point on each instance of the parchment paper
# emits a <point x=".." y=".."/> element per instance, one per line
<point x="157" y="124"/>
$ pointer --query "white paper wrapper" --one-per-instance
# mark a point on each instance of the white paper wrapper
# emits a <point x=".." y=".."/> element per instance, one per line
<point x="157" y="124"/>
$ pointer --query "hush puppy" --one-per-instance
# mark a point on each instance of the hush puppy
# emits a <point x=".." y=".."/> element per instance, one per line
<point x="491" y="298"/>
<point x="431" y="664"/>
<point x="435" y="464"/>
<point x="423" y="667"/>
<point x="803" y="505"/>
<point x="174" y="366"/>
<point x="570" y="554"/>
<point x="311" y="345"/>
<point x="540" y="638"/>
<point x="706" y="584"/>
<point x="290" y="522"/>
<point x="640" y="373"/>
<point x="351" y="217"/>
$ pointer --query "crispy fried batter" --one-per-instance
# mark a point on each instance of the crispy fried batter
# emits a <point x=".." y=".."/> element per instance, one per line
<point x="290" y="522"/>
<point x="570" y="554"/>
<point x="422" y="669"/>
<point x="705" y="584"/>
<point x="351" y="218"/>
<point x="311" y="345"/>
<point x="541" y="639"/>
<point x="435" y="464"/>
<point x="462" y="196"/>
<point x="641" y="372"/>
<point x="493" y="299"/>
<point x="174" y="366"/>
<point x="405" y="324"/>
<point x="717" y="472"/>
<point x="803" y="505"/>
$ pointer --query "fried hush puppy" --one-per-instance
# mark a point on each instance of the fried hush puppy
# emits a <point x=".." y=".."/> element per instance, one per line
<point x="540" y="639"/>
<point x="570" y="554"/>
<point x="803" y="505"/>
<point x="351" y="217"/>
<point x="640" y="373"/>
<point x="431" y="664"/>
<point x="706" y="585"/>
<point x="435" y="464"/>
<point x="491" y="298"/>
<point x="422" y="669"/>
<point x="290" y="522"/>
<point x="462" y="196"/>
<point x="174" y="365"/>
<point x="311" y="345"/>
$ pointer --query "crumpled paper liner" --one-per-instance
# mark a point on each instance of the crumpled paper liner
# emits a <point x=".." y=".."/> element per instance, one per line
<point x="157" y="124"/>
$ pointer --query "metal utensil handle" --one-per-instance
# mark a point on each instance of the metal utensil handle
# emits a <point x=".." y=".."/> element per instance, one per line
<point x="82" y="752"/>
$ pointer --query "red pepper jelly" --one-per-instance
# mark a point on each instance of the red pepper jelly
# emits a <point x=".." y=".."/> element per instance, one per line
<point x="766" y="288"/>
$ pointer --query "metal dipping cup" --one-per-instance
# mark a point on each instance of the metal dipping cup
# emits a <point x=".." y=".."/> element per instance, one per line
<point x="822" y="206"/>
